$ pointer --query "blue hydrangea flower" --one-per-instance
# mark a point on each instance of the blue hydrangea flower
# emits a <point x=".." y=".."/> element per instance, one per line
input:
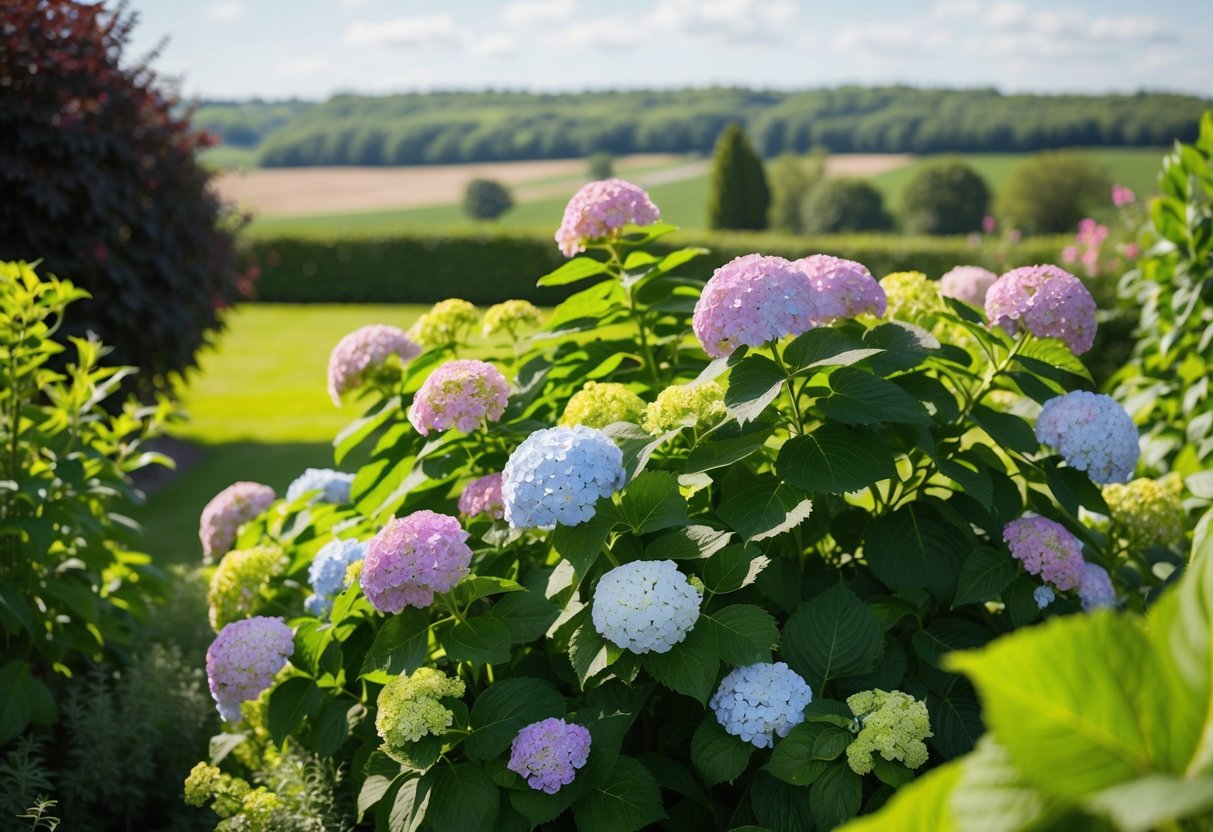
<point x="558" y="474"/>
<point x="316" y="606"/>
<point x="327" y="573"/>
<point x="334" y="486"/>
<point x="1044" y="595"/>
<point x="760" y="701"/>
<point x="1093" y="433"/>
<point x="1095" y="588"/>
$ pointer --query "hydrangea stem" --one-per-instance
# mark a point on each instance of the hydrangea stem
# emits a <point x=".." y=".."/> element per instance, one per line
<point x="789" y="388"/>
<point x="616" y="266"/>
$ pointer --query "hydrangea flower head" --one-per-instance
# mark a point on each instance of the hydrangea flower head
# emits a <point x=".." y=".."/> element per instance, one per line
<point x="685" y="405"/>
<point x="968" y="284"/>
<point x="548" y="753"/>
<point x="1095" y="588"/>
<point x="412" y="558"/>
<point x="227" y="511"/>
<point x="483" y="496"/>
<point x="600" y="209"/>
<point x="364" y="352"/>
<point x="1046" y="301"/>
<point x="912" y="297"/>
<point x="334" y="486"/>
<point x="1122" y="196"/>
<point x="243" y="660"/>
<point x="328" y="569"/>
<point x="446" y="324"/>
<point x="1093" y="433"/>
<point x="511" y="317"/>
<point x="751" y="300"/>
<point x="1047" y="549"/>
<point x="843" y="288"/>
<point x="557" y="475"/>
<point x="462" y="394"/>
<point x="646" y="606"/>
<point x="409" y="707"/>
<point x="237" y="585"/>
<point x="317" y="606"/>
<point x="1147" y="511"/>
<point x="760" y="701"/>
<point x="894" y="724"/>
<point x="1043" y="596"/>
<point x="599" y="404"/>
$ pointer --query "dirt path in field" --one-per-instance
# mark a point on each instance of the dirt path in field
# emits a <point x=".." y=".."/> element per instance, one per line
<point x="865" y="164"/>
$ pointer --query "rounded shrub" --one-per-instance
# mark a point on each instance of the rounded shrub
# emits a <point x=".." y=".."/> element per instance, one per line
<point x="601" y="166"/>
<point x="740" y="195"/>
<point x="1052" y="191"/>
<point x="486" y="199"/>
<point x="946" y="197"/>
<point x="843" y="204"/>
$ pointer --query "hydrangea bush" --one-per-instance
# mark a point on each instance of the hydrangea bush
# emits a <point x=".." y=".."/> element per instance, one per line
<point x="701" y="560"/>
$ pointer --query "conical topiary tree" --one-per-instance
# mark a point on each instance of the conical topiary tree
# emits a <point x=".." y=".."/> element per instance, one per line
<point x="740" y="195"/>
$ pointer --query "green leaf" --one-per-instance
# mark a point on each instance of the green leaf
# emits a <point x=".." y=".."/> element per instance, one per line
<point x="915" y="548"/>
<point x="732" y="568"/>
<point x="332" y="725"/>
<point x="289" y="703"/>
<point x="948" y="635"/>
<point x="753" y="384"/>
<point x="765" y="508"/>
<point x="475" y="587"/>
<point x="825" y="347"/>
<point x="922" y="806"/>
<point x="717" y="755"/>
<point x="528" y="615"/>
<point x="780" y="807"/>
<point x="405" y="805"/>
<point x="835" y="796"/>
<point x="745" y="634"/>
<point x="464" y="798"/>
<point x="588" y="652"/>
<point x="861" y="398"/>
<point x="985" y="574"/>
<point x="792" y="760"/>
<point x="891" y="774"/>
<point x="626" y="801"/>
<point x="401" y="645"/>
<point x="1006" y="429"/>
<point x="904" y="346"/>
<point x="955" y="715"/>
<point x="358" y="430"/>
<point x="504" y="709"/>
<point x="972" y="477"/>
<point x="834" y="459"/>
<point x="992" y="795"/>
<point x="725" y="447"/>
<point x="484" y="640"/>
<point x="688" y="543"/>
<point x="652" y="502"/>
<point x="23" y="698"/>
<point x="1154" y="801"/>
<point x="579" y="268"/>
<point x="689" y="667"/>
<point x="581" y="545"/>
<point x="831" y="636"/>
<point x="831" y="742"/>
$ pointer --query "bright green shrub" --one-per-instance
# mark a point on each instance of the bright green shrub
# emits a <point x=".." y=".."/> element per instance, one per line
<point x="843" y="204"/>
<point x="486" y="199"/>
<point x="739" y="196"/>
<point x="792" y="177"/>
<point x="1049" y="192"/>
<point x="947" y="197"/>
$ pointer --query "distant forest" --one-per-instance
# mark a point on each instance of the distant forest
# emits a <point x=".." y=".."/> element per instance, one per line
<point x="449" y="127"/>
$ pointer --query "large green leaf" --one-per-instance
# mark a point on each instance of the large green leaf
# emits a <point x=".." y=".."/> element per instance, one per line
<point x="825" y="347"/>
<point x="991" y="796"/>
<point x="626" y="801"/>
<point x="915" y="548"/>
<point x="579" y="268"/>
<point x="1006" y="429"/>
<point x="463" y="797"/>
<point x="779" y="807"/>
<point x="404" y="806"/>
<point x="986" y="573"/>
<point x="717" y="755"/>
<point x="792" y="759"/>
<point x="1155" y="801"/>
<point x="860" y="398"/>
<point x="484" y="640"/>
<point x="745" y="634"/>
<point x="581" y="545"/>
<point x="833" y="459"/>
<point x="831" y="636"/>
<point x="753" y="384"/>
<point x="689" y="667"/>
<point x="527" y="614"/>
<point x="652" y="502"/>
<point x="732" y="568"/>
<point x="289" y="703"/>
<point x="691" y="542"/>
<point x="922" y="806"/>
<point x="765" y="508"/>
<point x="726" y="446"/>
<point x="835" y="796"/>
<point x="504" y="709"/>
<point x="401" y="644"/>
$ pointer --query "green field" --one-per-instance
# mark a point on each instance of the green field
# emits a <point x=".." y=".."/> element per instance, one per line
<point x="227" y="157"/>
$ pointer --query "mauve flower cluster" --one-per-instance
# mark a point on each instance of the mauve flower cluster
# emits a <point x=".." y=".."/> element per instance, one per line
<point x="1087" y="246"/>
<point x="600" y="209"/>
<point x="597" y="405"/>
<point x="751" y="300"/>
<point x="361" y="353"/>
<point x="760" y="701"/>
<point x="685" y="405"/>
<point x="243" y="660"/>
<point x="227" y="511"/>
<point x="1093" y="433"/>
<point x="483" y="496"/>
<point x="557" y="475"/>
<point x="841" y="288"/>
<point x="646" y="606"/>
<point x="510" y="317"/>
<point x="447" y="323"/>
<point x="548" y="753"/>
<point x="1049" y="302"/>
<point x="409" y="707"/>
<point x="334" y="486"/>
<point x="236" y="587"/>
<point x="1095" y="588"/>
<point x="1047" y="549"/>
<point x="461" y="393"/>
<point x="412" y="558"/>
<point x="1122" y="196"/>
<point x="968" y="284"/>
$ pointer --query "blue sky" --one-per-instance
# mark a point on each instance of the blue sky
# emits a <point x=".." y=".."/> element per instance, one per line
<point x="313" y="48"/>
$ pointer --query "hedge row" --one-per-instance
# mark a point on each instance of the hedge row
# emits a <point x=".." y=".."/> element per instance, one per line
<point x="484" y="268"/>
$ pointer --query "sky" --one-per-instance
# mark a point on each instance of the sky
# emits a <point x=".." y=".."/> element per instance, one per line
<point x="237" y="49"/>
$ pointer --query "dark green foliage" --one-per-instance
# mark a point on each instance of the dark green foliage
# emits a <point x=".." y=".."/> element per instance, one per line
<point x="101" y="182"/>
<point x="246" y="123"/>
<point x="739" y="197"/>
<point x="947" y="197"/>
<point x="1050" y="192"/>
<point x="843" y="204"/>
<point x="601" y="165"/>
<point x="791" y="178"/>
<point x="486" y="199"/>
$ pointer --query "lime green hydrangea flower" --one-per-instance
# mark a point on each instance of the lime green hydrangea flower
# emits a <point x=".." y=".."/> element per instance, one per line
<point x="239" y="584"/>
<point x="1147" y="511"/>
<point x="684" y="405"/>
<point x="598" y="405"/>
<point x="912" y="297"/>
<point x="409" y="708"/>
<point x="891" y="723"/>
<point x="353" y="573"/>
<point x="446" y="324"/>
<point x="511" y="317"/>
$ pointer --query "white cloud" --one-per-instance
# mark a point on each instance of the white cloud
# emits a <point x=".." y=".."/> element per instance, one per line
<point x="527" y="14"/>
<point x="226" y="11"/>
<point x="882" y="39"/>
<point x="725" y="20"/>
<point x="424" y="30"/>
<point x="355" y="4"/>
<point x="304" y="66"/>
<point x="611" y="34"/>
<point x="495" y="45"/>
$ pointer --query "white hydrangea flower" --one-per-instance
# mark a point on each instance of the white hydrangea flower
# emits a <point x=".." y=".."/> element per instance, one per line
<point x="758" y="701"/>
<point x="645" y="606"/>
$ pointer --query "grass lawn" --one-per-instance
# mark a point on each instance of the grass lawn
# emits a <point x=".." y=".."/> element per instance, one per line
<point x="226" y="157"/>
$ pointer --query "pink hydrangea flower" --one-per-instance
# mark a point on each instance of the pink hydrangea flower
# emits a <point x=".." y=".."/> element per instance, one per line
<point x="968" y="284"/>
<point x="461" y="393"/>
<point x="483" y="496"/>
<point x="1122" y="196"/>
<point x="600" y="209"/>
<point x="412" y="558"/>
<point x="1049" y="302"/>
<point x="842" y="288"/>
<point x="989" y="224"/>
<point x="227" y="511"/>
<point x="548" y="753"/>
<point x="243" y="660"/>
<point x="751" y="300"/>
<point x="363" y="350"/>
<point x="1046" y="548"/>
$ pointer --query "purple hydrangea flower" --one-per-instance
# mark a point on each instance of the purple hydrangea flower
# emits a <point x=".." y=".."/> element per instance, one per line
<point x="412" y="558"/>
<point x="1047" y="301"/>
<point x="1045" y="548"/>
<point x="243" y="660"/>
<point x="751" y="300"/>
<point x="363" y="351"/>
<point x="843" y="288"/>
<point x="1093" y="433"/>
<point x="549" y="752"/>
<point x="600" y="209"/>
<point x="483" y="496"/>
<point x="1095" y="588"/>
<point x="558" y="474"/>
<point x="967" y="283"/>
<point x="227" y="511"/>
<point x="461" y="393"/>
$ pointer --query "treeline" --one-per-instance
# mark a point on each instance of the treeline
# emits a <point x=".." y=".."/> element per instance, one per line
<point x="246" y="123"/>
<point x="447" y="127"/>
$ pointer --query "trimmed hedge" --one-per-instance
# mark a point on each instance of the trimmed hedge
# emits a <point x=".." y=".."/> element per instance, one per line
<point x="484" y="267"/>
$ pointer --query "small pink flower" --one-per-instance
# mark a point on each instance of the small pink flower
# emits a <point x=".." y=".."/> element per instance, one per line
<point x="359" y="353"/>
<point x="483" y="496"/>
<point x="1131" y="250"/>
<point x="1069" y="254"/>
<point x="600" y="209"/>
<point x="1047" y="301"/>
<point x="1122" y="196"/>
<point x="988" y="224"/>
<point x="461" y="393"/>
